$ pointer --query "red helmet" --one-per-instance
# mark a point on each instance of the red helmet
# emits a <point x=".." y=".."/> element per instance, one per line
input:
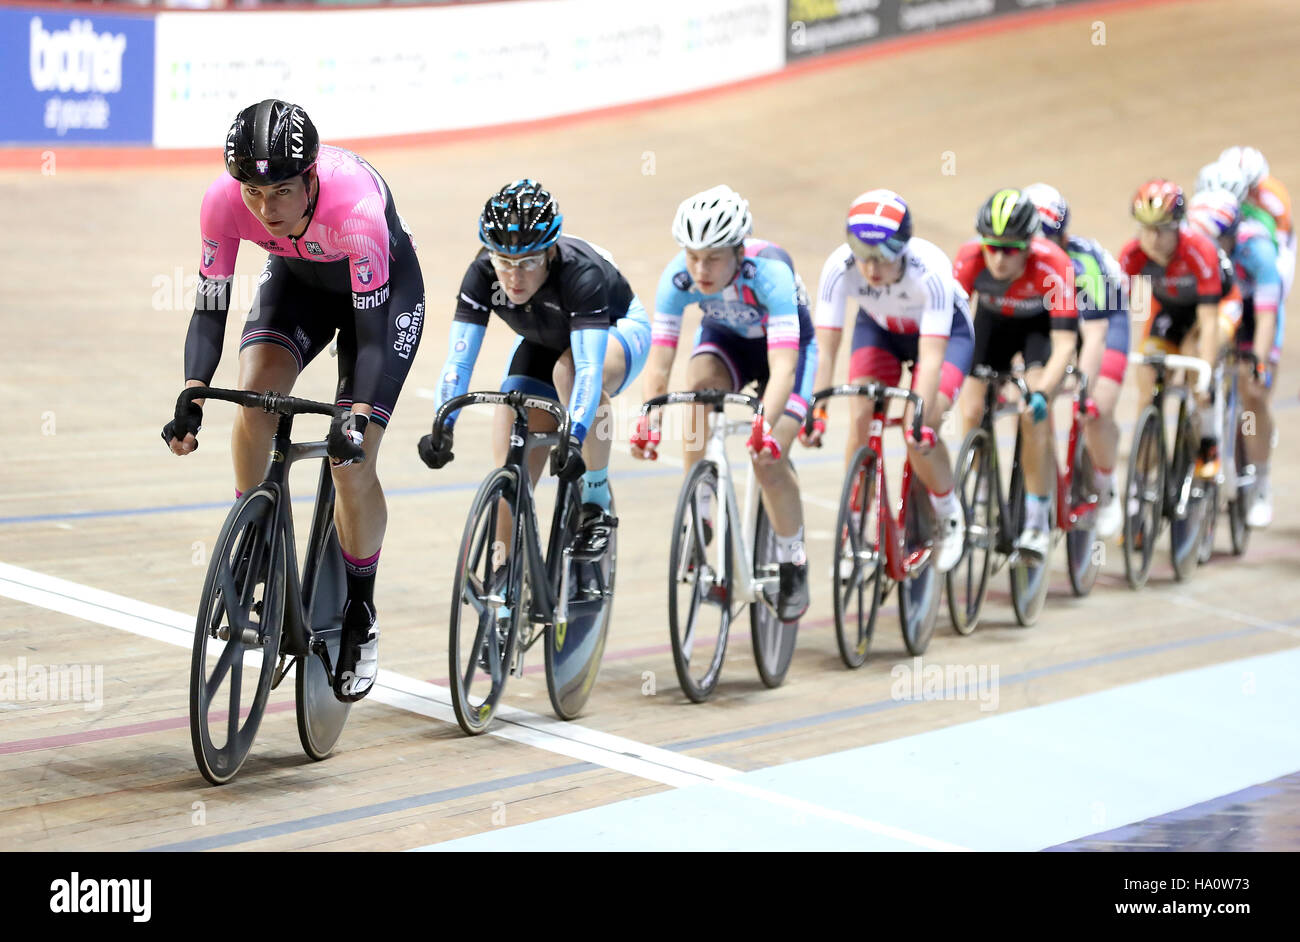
<point x="1159" y="202"/>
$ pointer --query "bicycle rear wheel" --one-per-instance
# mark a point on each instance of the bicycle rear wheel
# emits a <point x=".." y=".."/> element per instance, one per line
<point x="1186" y="498"/>
<point x="918" y="593"/>
<point x="486" y="605"/>
<point x="1029" y="578"/>
<point x="773" y="639"/>
<point x="237" y="636"/>
<point x="1238" y="529"/>
<point x="700" y="583"/>
<point x="573" y="654"/>
<point x="857" y="573"/>
<point x="968" y="581"/>
<point x="1144" y="496"/>
<point x="1083" y="561"/>
<point x="321" y="715"/>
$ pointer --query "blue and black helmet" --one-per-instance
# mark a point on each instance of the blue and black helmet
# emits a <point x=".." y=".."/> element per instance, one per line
<point x="520" y="218"/>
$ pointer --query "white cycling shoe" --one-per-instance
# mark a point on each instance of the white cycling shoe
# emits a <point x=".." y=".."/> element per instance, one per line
<point x="1260" y="514"/>
<point x="1034" y="544"/>
<point x="951" y="540"/>
<point x="358" y="665"/>
<point x="1110" y="515"/>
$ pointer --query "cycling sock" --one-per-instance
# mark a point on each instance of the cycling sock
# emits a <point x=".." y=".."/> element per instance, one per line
<point x="1261" y="477"/>
<point x="789" y="549"/>
<point x="1036" y="512"/>
<point x="945" y="505"/>
<point x="1103" y="480"/>
<point x="361" y="577"/>
<point x="595" y="488"/>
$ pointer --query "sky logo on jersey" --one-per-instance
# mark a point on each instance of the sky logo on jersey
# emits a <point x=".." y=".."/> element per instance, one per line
<point x="364" y="274"/>
<point x="209" y="252"/>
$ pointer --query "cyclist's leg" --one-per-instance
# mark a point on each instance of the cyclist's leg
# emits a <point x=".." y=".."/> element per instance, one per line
<point x="872" y="359"/>
<point x="1032" y="338"/>
<point x="360" y="510"/>
<point x="970" y="401"/>
<point x="280" y="337"/>
<point x="713" y="365"/>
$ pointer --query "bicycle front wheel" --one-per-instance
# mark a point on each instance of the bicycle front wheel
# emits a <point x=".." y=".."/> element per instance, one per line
<point x="237" y="636"/>
<point x="773" y="638"/>
<point x="1186" y="498"/>
<point x="918" y="593"/>
<point x="1144" y="498"/>
<point x="1082" y="554"/>
<point x="1029" y="577"/>
<point x="1238" y="529"/>
<point x="857" y="573"/>
<point x="699" y="582"/>
<point x="968" y="581"/>
<point x="486" y="603"/>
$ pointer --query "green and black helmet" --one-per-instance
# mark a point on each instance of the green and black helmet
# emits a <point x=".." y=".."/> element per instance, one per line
<point x="1008" y="216"/>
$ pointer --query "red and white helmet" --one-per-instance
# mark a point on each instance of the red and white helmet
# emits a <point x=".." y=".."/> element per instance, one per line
<point x="1214" y="212"/>
<point x="1251" y="162"/>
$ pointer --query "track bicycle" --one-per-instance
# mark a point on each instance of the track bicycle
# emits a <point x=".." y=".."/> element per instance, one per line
<point x="507" y="596"/>
<point x="257" y="619"/>
<point x="709" y="534"/>
<point x="874" y="550"/>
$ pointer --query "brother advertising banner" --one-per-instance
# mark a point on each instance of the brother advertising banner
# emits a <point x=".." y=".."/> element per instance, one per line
<point x="76" y="77"/>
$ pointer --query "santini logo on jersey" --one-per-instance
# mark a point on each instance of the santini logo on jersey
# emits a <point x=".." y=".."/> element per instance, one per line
<point x="370" y="300"/>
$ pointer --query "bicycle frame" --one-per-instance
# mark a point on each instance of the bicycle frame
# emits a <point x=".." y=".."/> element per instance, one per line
<point x="744" y="586"/>
<point x="1174" y="506"/>
<point x="1004" y="538"/>
<point x="1067" y="513"/>
<point x="544" y="573"/>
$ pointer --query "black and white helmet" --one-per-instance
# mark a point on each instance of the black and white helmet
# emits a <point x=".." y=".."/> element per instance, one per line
<point x="716" y="218"/>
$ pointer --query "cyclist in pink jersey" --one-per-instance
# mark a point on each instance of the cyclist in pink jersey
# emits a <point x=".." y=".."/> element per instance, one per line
<point x="341" y="260"/>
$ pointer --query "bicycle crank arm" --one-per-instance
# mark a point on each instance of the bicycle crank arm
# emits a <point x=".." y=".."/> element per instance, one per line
<point x="281" y="670"/>
<point x="321" y="650"/>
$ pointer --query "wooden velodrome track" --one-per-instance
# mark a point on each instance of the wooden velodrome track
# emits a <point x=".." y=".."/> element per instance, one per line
<point x="91" y="367"/>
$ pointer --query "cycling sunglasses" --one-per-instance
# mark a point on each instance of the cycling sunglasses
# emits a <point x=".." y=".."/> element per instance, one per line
<point x="1005" y="248"/>
<point x="525" y="263"/>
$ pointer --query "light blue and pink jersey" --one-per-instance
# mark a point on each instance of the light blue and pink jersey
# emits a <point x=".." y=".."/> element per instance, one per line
<point x="764" y="308"/>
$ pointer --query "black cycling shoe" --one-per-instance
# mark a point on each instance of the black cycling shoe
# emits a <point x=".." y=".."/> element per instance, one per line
<point x="793" y="600"/>
<point x="358" y="665"/>
<point x="595" y="530"/>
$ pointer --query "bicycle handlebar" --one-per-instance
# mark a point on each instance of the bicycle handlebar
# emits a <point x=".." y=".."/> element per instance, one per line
<point x="514" y="399"/>
<point x="1163" y="361"/>
<point x="877" y="391"/>
<point x="266" y="401"/>
<point x="704" y="397"/>
<point x="989" y="374"/>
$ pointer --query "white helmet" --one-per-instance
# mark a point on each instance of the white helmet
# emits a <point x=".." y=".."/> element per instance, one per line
<point x="1252" y="163"/>
<point x="1223" y="176"/>
<point x="716" y="218"/>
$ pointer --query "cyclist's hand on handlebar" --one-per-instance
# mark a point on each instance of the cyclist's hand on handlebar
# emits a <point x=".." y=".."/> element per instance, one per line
<point x="345" y="443"/>
<point x="761" y="441"/>
<point x="645" y="439"/>
<point x="925" y="444"/>
<point x="1038" y="406"/>
<point x="813" y="439"/>
<point x="436" y="454"/>
<point x="181" y="432"/>
<point x="566" y="461"/>
<point x="1262" y="375"/>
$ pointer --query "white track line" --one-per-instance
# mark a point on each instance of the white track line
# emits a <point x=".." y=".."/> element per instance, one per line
<point x="425" y="699"/>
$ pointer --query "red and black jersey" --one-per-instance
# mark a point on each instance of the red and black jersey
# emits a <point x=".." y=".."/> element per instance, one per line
<point x="1046" y="286"/>
<point x="1193" y="275"/>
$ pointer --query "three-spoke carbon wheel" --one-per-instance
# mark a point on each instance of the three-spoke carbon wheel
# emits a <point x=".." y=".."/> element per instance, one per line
<point x="237" y="636"/>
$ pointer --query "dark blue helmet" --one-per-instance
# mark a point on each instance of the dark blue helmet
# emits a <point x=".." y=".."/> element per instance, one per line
<point x="520" y="218"/>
